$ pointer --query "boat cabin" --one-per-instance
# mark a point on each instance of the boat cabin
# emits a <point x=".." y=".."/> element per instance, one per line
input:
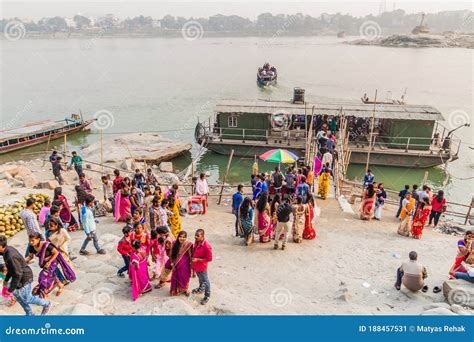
<point x="251" y="127"/>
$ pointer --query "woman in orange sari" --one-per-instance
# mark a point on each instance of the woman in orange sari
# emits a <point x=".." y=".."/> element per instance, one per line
<point x="406" y="213"/>
<point x="420" y="218"/>
<point x="368" y="201"/>
<point x="309" y="233"/>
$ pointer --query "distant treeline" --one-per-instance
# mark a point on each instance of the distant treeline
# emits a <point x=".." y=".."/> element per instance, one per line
<point x="267" y="24"/>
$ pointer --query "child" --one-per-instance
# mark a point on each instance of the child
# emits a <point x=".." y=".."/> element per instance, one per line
<point x="44" y="211"/>
<point x="3" y="275"/>
<point x="129" y="222"/>
<point x="125" y="249"/>
<point x="138" y="217"/>
<point x="138" y="271"/>
<point x="89" y="224"/>
<point x="133" y="200"/>
<point x="158" y="251"/>
<point x="139" y="179"/>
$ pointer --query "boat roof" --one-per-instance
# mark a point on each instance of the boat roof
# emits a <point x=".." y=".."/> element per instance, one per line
<point x="356" y="109"/>
<point x="33" y="128"/>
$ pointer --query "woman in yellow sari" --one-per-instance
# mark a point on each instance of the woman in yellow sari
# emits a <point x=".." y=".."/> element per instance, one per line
<point x="323" y="184"/>
<point x="174" y="204"/>
<point x="408" y="207"/>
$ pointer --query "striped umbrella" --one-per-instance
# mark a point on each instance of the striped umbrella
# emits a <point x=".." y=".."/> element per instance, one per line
<point x="279" y="156"/>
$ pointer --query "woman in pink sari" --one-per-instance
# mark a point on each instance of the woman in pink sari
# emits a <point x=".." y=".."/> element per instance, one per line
<point x="138" y="271"/>
<point x="368" y="203"/>
<point x="180" y="262"/>
<point x="122" y="204"/>
<point x="158" y="251"/>
<point x="265" y="227"/>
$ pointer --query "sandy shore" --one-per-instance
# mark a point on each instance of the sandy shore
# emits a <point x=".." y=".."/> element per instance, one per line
<point x="348" y="269"/>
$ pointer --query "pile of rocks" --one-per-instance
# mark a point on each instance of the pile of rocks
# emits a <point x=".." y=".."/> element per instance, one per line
<point x="446" y="40"/>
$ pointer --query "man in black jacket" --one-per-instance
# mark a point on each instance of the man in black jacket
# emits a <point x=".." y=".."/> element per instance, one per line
<point x="21" y="277"/>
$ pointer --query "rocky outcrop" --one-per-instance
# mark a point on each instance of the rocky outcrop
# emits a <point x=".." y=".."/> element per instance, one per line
<point x="148" y="147"/>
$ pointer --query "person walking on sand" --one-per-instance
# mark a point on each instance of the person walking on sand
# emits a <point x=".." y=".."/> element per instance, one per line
<point x="21" y="277"/>
<point x="202" y="255"/>
<point x="57" y="168"/>
<point x="412" y="274"/>
<point x="89" y="225"/>
<point x="76" y="160"/>
<point x="438" y="206"/>
<point x="138" y="271"/>
<point x="237" y="200"/>
<point x="284" y="212"/>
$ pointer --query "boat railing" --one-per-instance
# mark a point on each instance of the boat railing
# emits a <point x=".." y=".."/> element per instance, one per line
<point x="288" y="137"/>
<point x="406" y="144"/>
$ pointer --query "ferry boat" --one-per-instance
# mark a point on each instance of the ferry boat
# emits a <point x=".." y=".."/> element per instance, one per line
<point x="404" y="135"/>
<point x="13" y="139"/>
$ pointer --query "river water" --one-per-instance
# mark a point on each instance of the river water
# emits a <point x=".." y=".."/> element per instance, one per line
<point x="164" y="85"/>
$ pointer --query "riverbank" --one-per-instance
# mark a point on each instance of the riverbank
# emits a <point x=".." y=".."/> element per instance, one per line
<point x="445" y="40"/>
<point x="348" y="269"/>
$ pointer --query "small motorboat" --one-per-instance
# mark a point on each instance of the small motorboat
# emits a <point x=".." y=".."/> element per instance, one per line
<point x="267" y="75"/>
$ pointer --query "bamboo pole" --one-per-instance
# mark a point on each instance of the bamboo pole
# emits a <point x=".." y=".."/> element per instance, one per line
<point x="469" y="211"/>
<point x="65" y="148"/>
<point x="102" y="150"/>
<point x="372" y="123"/>
<point x="225" y="176"/>
<point x="47" y="146"/>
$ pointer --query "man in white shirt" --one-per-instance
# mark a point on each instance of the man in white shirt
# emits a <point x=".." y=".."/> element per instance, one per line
<point x="327" y="158"/>
<point x="202" y="189"/>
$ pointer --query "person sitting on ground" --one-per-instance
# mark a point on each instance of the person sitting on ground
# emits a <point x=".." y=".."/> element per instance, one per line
<point x="412" y="274"/>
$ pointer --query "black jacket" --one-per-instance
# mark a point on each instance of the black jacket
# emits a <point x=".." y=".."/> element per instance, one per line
<point x="17" y="269"/>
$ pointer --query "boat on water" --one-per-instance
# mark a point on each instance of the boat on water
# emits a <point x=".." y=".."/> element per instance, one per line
<point x="267" y="76"/>
<point x="404" y="135"/>
<point x="12" y="139"/>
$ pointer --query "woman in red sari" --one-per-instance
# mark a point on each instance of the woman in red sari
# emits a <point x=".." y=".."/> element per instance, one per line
<point x="180" y="262"/>
<point x="420" y="218"/>
<point x="464" y="250"/>
<point x="65" y="212"/>
<point x="368" y="201"/>
<point x="309" y="233"/>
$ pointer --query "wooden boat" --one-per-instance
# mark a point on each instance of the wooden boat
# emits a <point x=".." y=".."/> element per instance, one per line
<point x="406" y="135"/>
<point x="13" y="139"/>
<point x="266" y="78"/>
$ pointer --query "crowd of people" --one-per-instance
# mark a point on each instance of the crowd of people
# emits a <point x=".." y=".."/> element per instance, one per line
<point x="281" y="204"/>
<point x="152" y="235"/>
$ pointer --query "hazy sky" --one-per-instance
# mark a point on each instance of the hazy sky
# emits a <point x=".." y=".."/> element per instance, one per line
<point x="36" y="9"/>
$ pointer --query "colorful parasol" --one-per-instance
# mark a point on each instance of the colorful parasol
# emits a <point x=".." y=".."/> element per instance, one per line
<point x="279" y="156"/>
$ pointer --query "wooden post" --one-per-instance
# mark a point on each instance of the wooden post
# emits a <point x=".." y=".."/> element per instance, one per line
<point x="102" y="150"/>
<point x="65" y="148"/>
<point x="192" y="176"/>
<point x="47" y="147"/>
<point x="225" y="176"/>
<point x="469" y="211"/>
<point x="372" y="123"/>
<point x="425" y="178"/>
